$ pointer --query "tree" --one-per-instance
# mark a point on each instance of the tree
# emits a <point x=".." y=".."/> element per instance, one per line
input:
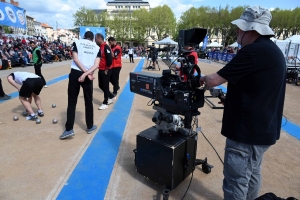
<point x="163" y="21"/>
<point x="120" y="25"/>
<point x="141" y="25"/>
<point x="87" y="17"/>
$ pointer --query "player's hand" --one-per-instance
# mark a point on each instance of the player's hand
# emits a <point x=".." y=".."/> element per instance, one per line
<point x="82" y="77"/>
<point x="91" y="77"/>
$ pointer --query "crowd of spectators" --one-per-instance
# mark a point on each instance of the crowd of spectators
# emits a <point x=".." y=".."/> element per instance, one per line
<point x="17" y="51"/>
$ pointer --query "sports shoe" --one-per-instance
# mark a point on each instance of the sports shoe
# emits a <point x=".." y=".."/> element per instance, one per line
<point x="32" y="118"/>
<point x="45" y="86"/>
<point x="67" y="134"/>
<point x="90" y="130"/>
<point x="40" y="114"/>
<point x="110" y="101"/>
<point x="103" y="106"/>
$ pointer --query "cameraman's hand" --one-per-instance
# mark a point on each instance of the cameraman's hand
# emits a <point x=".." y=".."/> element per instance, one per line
<point x="202" y="80"/>
<point x="177" y="67"/>
<point x="222" y="98"/>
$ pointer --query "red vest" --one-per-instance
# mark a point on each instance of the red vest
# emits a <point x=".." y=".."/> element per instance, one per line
<point x="102" y="64"/>
<point x="117" y="62"/>
<point x="184" y="76"/>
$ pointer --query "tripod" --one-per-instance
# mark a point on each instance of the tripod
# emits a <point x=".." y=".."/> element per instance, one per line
<point x="151" y="62"/>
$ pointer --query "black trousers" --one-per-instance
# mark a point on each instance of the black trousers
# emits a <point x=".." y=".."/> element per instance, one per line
<point x="131" y="58"/>
<point x="103" y="83"/>
<point x="37" y="69"/>
<point x="114" y="79"/>
<point x="1" y="89"/>
<point x="73" y="92"/>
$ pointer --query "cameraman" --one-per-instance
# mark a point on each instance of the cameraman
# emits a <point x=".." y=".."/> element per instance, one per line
<point x="192" y="59"/>
<point x="253" y="106"/>
<point x="154" y="55"/>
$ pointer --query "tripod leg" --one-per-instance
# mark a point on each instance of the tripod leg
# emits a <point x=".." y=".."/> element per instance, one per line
<point x="158" y="65"/>
<point x="146" y="64"/>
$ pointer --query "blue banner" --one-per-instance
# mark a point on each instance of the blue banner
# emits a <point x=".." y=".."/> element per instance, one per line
<point x="205" y="42"/>
<point x="11" y="15"/>
<point x="93" y="29"/>
<point x="226" y="57"/>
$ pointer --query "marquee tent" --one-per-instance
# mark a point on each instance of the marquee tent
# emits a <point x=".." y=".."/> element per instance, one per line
<point x="166" y="41"/>
<point x="214" y="44"/>
<point x="235" y="44"/>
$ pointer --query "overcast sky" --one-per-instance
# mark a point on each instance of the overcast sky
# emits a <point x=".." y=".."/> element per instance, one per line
<point x="61" y="11"/>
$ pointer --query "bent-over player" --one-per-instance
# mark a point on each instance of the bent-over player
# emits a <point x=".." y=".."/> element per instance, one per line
<point x="29" y="85"/>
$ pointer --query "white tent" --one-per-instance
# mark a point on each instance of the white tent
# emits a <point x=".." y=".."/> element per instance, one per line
<point x="235" y="44"/>
<point x="214" y="44"/>
<point x="294" y="39"/>
<point x="166" y="41"/>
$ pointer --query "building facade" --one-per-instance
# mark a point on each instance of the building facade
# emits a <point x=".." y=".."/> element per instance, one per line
<point x="37" y="28"/>
<point x="116" y="5"/>
<point x="47" y="31"/>
<point x="30" y="30"/>
<point x="66" y="36"/>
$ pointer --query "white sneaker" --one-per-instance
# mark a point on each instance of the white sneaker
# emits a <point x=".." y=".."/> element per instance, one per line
<point x="103" y="106"/>
<point x="110" y="101"/>
<point x="45" y="86"/>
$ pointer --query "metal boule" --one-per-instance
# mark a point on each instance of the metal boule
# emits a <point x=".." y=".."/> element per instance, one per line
<point x="25" y="113"/>
<point x="16" y="118"/>
<point x="53" y="105"/>
<point x="38" y="121"/>
<point x="54" y="121"/>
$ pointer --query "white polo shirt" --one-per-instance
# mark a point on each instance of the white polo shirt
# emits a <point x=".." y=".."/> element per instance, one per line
<point x="22" y="76"/>
<point x="87" y="52"/>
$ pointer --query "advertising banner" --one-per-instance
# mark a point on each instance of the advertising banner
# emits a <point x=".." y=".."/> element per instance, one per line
<point x="205" y="42"/>
<point x="11" y="15"/>
<point x="94" y="30"/>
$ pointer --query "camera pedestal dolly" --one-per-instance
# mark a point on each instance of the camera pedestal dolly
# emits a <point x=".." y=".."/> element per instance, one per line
<point x="151" y="62"/>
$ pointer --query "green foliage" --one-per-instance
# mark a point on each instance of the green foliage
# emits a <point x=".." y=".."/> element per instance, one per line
<point x="163" y="21"/>
<point x="87" y="17"/>
<point x="126" y="25"/>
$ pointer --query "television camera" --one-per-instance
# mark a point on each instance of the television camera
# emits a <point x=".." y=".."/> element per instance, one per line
<point x="170" y="95"/>
<point x="166" y="153"/>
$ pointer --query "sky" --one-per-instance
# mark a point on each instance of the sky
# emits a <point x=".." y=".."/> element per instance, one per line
<point x="59" y="13"/>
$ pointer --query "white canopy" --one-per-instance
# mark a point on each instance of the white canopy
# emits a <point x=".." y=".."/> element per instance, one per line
<point x="294" y="38"/>
<point x="214" y="44"/>
<point x="166" y="41"/>
<point x="235" y="44"/>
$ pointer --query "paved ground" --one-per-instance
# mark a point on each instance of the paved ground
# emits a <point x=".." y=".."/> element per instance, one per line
<point x="35" y="164"/>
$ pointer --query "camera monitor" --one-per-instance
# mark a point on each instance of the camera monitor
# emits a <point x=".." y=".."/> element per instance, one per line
<point x="191" y="36"/>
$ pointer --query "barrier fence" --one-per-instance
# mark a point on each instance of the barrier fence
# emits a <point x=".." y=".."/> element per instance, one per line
<point x="226" y="57"/>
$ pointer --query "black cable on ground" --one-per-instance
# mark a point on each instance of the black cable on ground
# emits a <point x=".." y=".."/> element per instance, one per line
<point x="213" y="147"/>
<point x="285" y="121"/>
<point x="188" y="186"/>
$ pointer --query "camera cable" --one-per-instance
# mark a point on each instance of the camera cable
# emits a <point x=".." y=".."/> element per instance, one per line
<point x="285" y="121"/>
<point x="213" y="148"/>
<point x="188" y="186"/>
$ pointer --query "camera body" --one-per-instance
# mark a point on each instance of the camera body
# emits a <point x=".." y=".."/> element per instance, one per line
<point x="168" y="91"/>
